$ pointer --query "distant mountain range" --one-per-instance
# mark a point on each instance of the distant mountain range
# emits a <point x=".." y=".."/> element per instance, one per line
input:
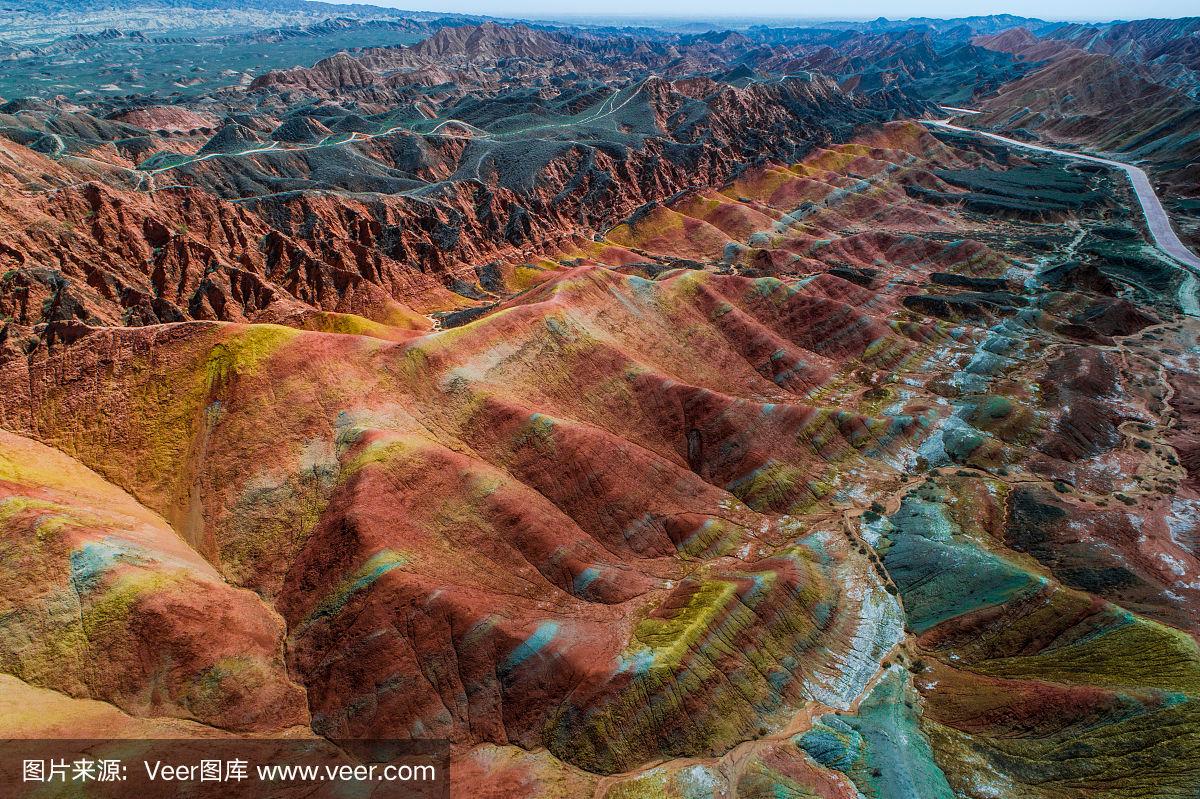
<point x="991" y="23"/>
<point x="279" y="6"/>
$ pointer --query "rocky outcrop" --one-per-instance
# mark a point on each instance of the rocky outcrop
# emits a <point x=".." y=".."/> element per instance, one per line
<point x="104" y="601"/>
<point x="123" y="257"/>
<point x="639" y="434"/>
<point x="1103" y="98"/>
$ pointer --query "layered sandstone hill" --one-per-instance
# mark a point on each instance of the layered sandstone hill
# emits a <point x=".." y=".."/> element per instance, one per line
<point x="1130" y="91"/>
<point x="642" y="427"/>
<point x="865" y="544"/>
<point x="385" y="220"/>
<point x="914" y="58"/>
<point x="1168" y="49"/>
<point x="488" y="56"/>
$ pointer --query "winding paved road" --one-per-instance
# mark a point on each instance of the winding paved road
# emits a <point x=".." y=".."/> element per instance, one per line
<point x="1156" y="216"/>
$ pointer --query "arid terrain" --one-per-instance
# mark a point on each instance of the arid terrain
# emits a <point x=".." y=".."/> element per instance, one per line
<point x="647" y="412"/>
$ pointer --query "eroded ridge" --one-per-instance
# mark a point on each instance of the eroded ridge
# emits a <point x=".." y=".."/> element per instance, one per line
<point x="866" y="474"/>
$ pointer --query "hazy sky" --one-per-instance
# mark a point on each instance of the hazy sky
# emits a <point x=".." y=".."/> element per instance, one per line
<point x="862" y="9"/>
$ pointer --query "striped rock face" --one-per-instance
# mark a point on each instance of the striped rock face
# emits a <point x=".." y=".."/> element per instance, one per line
<point x="868" y="475"/>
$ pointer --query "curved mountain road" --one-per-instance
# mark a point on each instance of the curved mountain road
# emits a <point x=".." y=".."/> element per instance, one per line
<point x="1156" y="216"/>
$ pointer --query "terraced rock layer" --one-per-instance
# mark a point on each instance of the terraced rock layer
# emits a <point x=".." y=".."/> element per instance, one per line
<point x="384" y="218"/>
<point x="853" y="475"/>
<point x="1131" y="90"/>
